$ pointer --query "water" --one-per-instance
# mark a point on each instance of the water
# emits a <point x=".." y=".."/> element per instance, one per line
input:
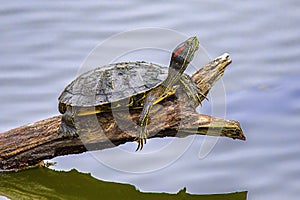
<point x="43" y="45"/>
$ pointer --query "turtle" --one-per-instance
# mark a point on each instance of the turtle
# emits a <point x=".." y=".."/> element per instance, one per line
<point x="140" y="84"/>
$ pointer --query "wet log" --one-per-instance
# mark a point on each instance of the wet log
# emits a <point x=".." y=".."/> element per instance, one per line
<point x="175" y="117"/>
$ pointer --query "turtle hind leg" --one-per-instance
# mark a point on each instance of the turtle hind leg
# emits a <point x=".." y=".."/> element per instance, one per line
<point x="191" y="89"/>
<point x="67" y="130"/>
<point x="67" y="126"/>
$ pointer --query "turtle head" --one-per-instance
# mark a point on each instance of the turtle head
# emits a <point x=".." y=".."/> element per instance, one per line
<point x="183" y="54"/>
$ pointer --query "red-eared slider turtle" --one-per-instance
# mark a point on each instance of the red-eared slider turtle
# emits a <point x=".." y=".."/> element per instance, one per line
<point x="142" y="84"/>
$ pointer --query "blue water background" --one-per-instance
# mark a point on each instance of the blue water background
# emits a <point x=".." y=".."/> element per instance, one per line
<point x="42" y="45"/>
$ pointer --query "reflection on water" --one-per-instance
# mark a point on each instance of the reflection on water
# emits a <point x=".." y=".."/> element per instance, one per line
<point x="43" y="45"/>
<point x="47" y="184"/>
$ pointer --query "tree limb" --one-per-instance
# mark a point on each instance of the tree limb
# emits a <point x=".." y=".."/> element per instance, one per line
<point x="30" y="144"/>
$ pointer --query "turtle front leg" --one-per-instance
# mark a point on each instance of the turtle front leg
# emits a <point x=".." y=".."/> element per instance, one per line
<point x="153" y="97"/>
<point x="191" y="89"/>
<point x="142" y="123"/>
<point x="142" y="138"/>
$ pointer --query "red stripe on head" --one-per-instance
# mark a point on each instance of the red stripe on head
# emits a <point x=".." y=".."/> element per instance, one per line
<point x="178" y="51"/>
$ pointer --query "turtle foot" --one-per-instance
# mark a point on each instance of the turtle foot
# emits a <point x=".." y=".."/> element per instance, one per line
<point x="142" y="138"/>
<point x="67" y="131"/>
<point x="192" y="90"/>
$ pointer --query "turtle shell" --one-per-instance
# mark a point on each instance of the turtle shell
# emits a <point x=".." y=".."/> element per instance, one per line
<point x="112" y="83"/>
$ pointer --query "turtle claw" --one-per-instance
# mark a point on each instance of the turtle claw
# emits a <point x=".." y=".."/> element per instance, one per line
<point x="142" y="138"/>
<point x="140" y="145"/>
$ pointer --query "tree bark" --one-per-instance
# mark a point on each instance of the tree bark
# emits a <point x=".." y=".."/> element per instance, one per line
<point x="175" y="117"/>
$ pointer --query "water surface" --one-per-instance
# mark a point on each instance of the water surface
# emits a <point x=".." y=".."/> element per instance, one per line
<point x="43" y="45"/>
